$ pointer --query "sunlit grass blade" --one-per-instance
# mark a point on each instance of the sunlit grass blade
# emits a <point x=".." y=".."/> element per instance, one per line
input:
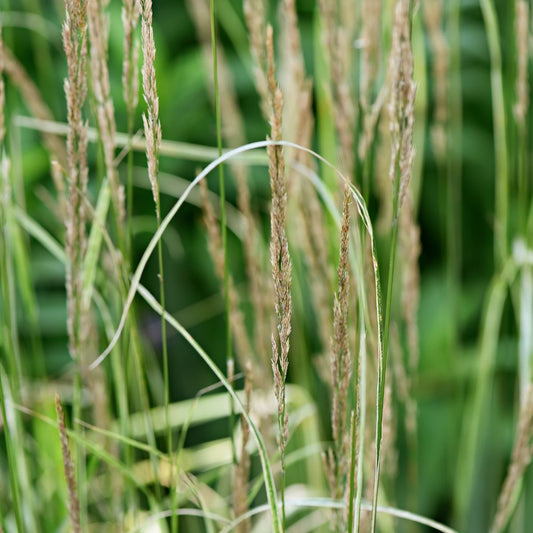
<point x="327" y="503"/>
<point x="179" y="150"/>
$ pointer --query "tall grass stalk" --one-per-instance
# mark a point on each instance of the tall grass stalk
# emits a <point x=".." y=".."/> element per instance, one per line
<point x="135" y="285"/>
<point x="70" y="476"/>
<point x="152" y="132"/>
<point x="500" y="134"/>
<point x="78" y="323"/>
<point x="130" y="92"/>
<point x="230" y="362"/>
<point x="402" y="120"/>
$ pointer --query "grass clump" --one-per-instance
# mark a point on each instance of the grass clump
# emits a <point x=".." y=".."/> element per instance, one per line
<point x="334" y="336"/>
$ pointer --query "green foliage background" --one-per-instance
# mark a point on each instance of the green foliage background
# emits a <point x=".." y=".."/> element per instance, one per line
<point x="447" y="369"/>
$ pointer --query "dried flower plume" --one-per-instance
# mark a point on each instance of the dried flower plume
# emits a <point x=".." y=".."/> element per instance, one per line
<point x="68" y="465"/>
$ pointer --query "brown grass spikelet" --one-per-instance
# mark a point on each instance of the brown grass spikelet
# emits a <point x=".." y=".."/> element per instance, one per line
<point x="279" y="258"/>
<point x="520" y="459"/>
<point x="130" y="79"/>
<point x="281" y="265"/>
<point x="341" y="369"/>
<point x="242" y="468"/>
<point x="297" y="88"/>
<point x="152" y="125"/>
<point x="340" y="351"/>
<point x="68" y="465"/>
<point x="254" y="14"/>
<point x="101" y="90"/>
<point x="75" y="45"/>
<point x="298" y="121"/>
<point x="402" y="101"/>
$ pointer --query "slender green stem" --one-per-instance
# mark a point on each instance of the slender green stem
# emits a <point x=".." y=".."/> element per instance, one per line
<point x="359" y="392"/>
<point x="166" y="380"/>
<point x="223" y="230"/>
<point x="382" y="365"/>
<point x="283" y="483"/>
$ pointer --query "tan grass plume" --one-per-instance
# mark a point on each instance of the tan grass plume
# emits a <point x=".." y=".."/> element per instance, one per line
<point x="75" y="45"/>
<point x="68" y="465"/>
<point x="101" y="91"/>
<point x="152" y="125"/>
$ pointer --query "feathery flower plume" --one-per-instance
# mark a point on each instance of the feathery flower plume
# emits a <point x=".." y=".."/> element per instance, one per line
<point x="130" y="80"/>
<point x="152" y="125"/>
<point x="341" y="372"/>
<point x="279" y="258"/>
<point x="242" y="468"/>
<point x="75" y="45"/>
<point x="401" y="106"/>
<point x="98" y="33"/>
<point x="68" y="465"/>
<point x="311" y="226"/>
